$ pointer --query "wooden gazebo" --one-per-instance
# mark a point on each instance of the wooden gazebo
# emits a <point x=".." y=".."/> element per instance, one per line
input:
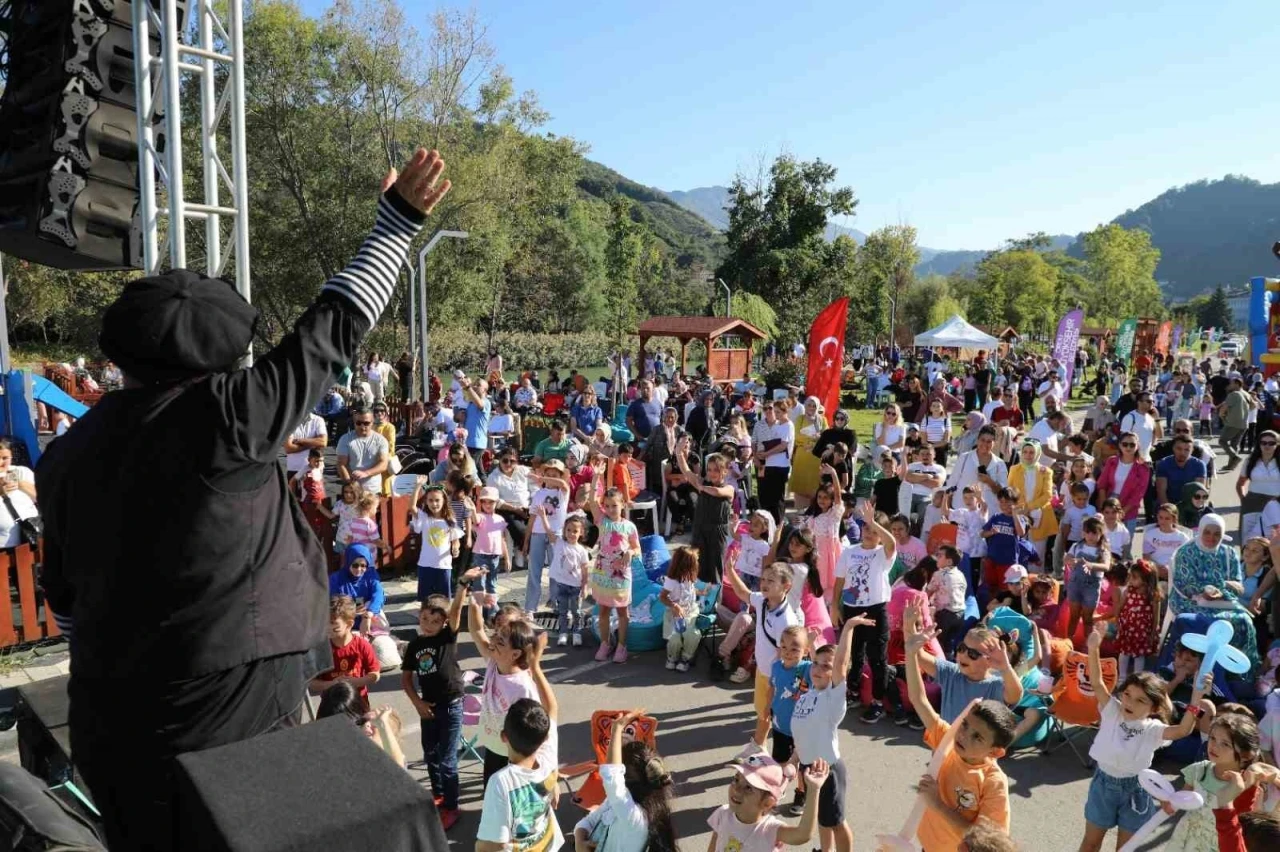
<point x="726" y="363"/>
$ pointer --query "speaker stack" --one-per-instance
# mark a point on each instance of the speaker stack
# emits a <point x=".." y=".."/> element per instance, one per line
<point x="69" y="133"/>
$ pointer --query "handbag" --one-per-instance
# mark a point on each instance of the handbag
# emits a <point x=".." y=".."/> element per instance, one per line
<point x="29" y="529"/>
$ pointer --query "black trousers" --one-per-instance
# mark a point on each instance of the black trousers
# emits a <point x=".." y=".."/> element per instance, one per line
<point x="773" y="491"/>
<point x="870" y="644"/>
<point x="125" y="737"/>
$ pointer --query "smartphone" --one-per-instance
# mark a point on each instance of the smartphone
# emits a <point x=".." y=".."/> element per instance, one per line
<point x="12" y="476"/>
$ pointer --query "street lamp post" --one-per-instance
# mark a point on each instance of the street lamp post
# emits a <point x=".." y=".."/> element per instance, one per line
<point x="422" y="303"/>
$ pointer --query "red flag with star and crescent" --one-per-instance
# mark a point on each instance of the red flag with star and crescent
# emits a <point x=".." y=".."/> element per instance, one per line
<point x="826" y="355"/>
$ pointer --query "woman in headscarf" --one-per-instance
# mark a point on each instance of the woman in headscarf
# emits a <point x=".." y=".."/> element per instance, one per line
<point x="358" y="579"/>
<point x="1193" y="504"/>
<point x="968" y="439"/>
<point x="1034" y="482"/>
<point x="839" y="433"/>
<point x="1207" y="580"/>
<point x="805" y="474"/>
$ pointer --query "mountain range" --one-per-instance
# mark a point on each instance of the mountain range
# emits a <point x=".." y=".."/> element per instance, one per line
<point x="1210" y="232"/>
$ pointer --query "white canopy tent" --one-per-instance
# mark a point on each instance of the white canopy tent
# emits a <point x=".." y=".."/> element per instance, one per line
<point x="955" y="333"/>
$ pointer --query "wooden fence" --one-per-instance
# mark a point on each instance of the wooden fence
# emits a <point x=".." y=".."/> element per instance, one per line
<point x="34" y="620"/>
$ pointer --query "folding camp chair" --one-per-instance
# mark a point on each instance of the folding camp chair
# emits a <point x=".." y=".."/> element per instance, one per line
<point x="706" y="622"/>
<point x="471" y="717"/>
<point x="591" y="794"/>
<point x="1075" y="708"/>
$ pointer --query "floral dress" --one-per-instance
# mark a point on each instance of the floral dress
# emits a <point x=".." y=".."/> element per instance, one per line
<point x="611" y="576"/>
<point x="1137" y="619"/>
<point x="1193" y="569"/>
<point x="1197" y="830"/>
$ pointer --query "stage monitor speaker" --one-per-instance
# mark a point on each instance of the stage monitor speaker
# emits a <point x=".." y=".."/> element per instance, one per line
<point x="323" y="785"/>
<point x="69" y="134"/>
<point x="44" y="740"/>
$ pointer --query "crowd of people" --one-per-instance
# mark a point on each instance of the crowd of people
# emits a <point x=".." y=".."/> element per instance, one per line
<point x="957" y="556"/>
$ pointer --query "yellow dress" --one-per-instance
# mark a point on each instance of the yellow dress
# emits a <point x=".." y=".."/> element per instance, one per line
<point x="805" y="473"/>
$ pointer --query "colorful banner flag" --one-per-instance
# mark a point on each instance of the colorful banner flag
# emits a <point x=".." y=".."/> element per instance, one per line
<point x="1067" y="342"/>
<point x="826" y="355"/>
<point x="1124" y="339"/>
<point x="1162" y="337"/>
<point x="1177" y="338"/>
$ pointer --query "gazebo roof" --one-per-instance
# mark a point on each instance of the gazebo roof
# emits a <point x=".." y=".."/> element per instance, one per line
<point x="698" y="327"/>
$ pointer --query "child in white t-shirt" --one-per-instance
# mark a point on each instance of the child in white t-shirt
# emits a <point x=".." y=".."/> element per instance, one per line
<point x="946" y="591"/>
<point x="568" y="577"/>
<point x="969" y="522"/>
<point x="636" y="783"/>
<point x="1163" y="538"/>
<point x="680" y="597"/>
<point x="1134" y="724"/>
<point x="529" y="778"/>
<point x="1118" y="536"/>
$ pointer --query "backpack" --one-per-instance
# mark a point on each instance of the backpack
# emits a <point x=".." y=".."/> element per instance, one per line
<point x="33" y="819"/>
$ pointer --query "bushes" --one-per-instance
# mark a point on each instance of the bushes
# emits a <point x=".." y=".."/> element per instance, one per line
<point x="453" y="348"/>
<point x="783" y="372"/>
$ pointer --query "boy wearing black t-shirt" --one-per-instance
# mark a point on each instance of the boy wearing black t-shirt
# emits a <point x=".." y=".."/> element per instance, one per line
<point x="433" y="657"/>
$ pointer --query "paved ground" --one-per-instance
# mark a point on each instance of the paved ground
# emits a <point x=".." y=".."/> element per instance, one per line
<point x="703" y="724"/>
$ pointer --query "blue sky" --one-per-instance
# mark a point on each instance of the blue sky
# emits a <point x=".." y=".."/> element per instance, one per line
<point x="973" y="121"/>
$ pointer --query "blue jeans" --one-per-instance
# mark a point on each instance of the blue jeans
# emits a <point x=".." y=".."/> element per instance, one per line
<point x="434" y="581"/>
<point x="488" y="561"/>
<point x="538" y="553"/>
<point x="568" y="607"/>
<point x="441" y="739"/>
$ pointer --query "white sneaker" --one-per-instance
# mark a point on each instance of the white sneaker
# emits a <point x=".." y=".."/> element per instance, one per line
<point x="750" y="749"/>
<point x="682" y="666"/>
<point x="577" y="640"/>
<point x="741" y="675"/>
<point x="562" y="640"/>
<point x="671" y="664"/>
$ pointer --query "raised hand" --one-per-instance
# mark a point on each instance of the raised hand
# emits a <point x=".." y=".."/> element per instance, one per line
<point x="996" y="652"/>
<point x="419" y="182"/>
<point x="816" y="774"/>
<point x="1095" y="637"/>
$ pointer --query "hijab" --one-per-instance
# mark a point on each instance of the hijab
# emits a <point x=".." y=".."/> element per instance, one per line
<point x="1211" y="520"/>
<point x="1033" y="444"/>
<point x="1189" y="514"/>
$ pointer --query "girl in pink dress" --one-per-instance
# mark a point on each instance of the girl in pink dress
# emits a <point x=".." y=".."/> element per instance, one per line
<point x="806" y="590"/>
<point x="823" y="521"/>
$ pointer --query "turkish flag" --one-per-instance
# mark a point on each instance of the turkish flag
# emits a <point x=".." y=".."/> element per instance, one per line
<point x="826" y="355"/>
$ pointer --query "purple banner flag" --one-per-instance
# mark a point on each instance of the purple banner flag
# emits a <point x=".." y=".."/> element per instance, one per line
<point x="1177" y="338"/>
<point x="1067" y="341"/>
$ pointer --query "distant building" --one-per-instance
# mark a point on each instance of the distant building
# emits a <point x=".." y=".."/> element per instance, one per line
<point x="1238" y="302"/>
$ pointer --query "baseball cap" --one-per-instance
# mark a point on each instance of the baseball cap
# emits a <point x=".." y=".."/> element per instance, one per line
<point x="489" y="493"/>
<point x="1015" y="574"/>
<point x="458" y="374"/>
<point x="764" y="773"/>
<point x="555" y="464"/>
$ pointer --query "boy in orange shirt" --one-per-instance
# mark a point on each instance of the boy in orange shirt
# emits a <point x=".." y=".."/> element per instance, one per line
<point x="970" y="784"/>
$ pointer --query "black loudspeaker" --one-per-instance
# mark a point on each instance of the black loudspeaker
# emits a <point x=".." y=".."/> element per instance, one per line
<point x="44" y="740"/>
<point x="324" y="785"/>
<point x="69" y="134"/>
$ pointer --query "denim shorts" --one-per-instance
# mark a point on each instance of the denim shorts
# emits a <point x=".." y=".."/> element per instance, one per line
<point x="1083" y="588"/>
<point x="1117" y="802"/>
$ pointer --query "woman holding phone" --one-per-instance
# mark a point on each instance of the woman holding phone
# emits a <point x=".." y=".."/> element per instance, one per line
<point x="17" y="496"/>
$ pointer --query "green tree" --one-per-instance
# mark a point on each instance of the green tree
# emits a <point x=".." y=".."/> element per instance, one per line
<point x="755" y="310"/>
<point x="1119" y="279"/>
<point x="775" y="241"/>
<point x="885" y="270"/>
<point x="927" y="303"/>
<point x="1215" y="312"/>
<point x="623" y="254"/>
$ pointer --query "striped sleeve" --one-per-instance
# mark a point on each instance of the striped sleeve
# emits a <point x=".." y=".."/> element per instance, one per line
<point x="368" y="281"/>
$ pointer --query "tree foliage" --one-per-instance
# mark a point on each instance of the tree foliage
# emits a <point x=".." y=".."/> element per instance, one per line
<point x="775" y="242"/>
<point x="1215" y="311"/>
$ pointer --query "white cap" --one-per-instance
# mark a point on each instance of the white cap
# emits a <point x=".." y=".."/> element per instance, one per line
<point x="1015" y="574"/>
<point x="458" y="374"/>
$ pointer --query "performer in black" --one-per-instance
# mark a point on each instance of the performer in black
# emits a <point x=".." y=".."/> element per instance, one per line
<point x="174" y="556"/>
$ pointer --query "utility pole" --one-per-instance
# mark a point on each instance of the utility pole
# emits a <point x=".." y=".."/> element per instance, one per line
<point x="422" y="303"/>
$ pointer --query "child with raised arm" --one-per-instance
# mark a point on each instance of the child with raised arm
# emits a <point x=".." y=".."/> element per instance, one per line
<point x="520" y="799"/>
<point x="611" y="575"/>
<point x="970" y="784"/>
<point x="982" y="670"/>
<point x="636" y="814"/>
<point x="862" y="576"/>
<point x="552" y="496"/>
<point x="773" y="614"/>
<point x="432" y="655"/>
<point x="1134" y="723"/>
<point x="815" y="731"/>
<point x="507" y="677"/>
<point x="713" y="514"/>
<point x="747" y="824"/>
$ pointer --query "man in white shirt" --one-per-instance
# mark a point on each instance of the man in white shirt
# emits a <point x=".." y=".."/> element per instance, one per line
<point x="797" y="351"/>
<point x="995" y="402"/>
<point x="925" y="476"/>
<point x="1047" y="431"/>
<point x="1143" y="423"/>
<point x="309" y="435"/>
